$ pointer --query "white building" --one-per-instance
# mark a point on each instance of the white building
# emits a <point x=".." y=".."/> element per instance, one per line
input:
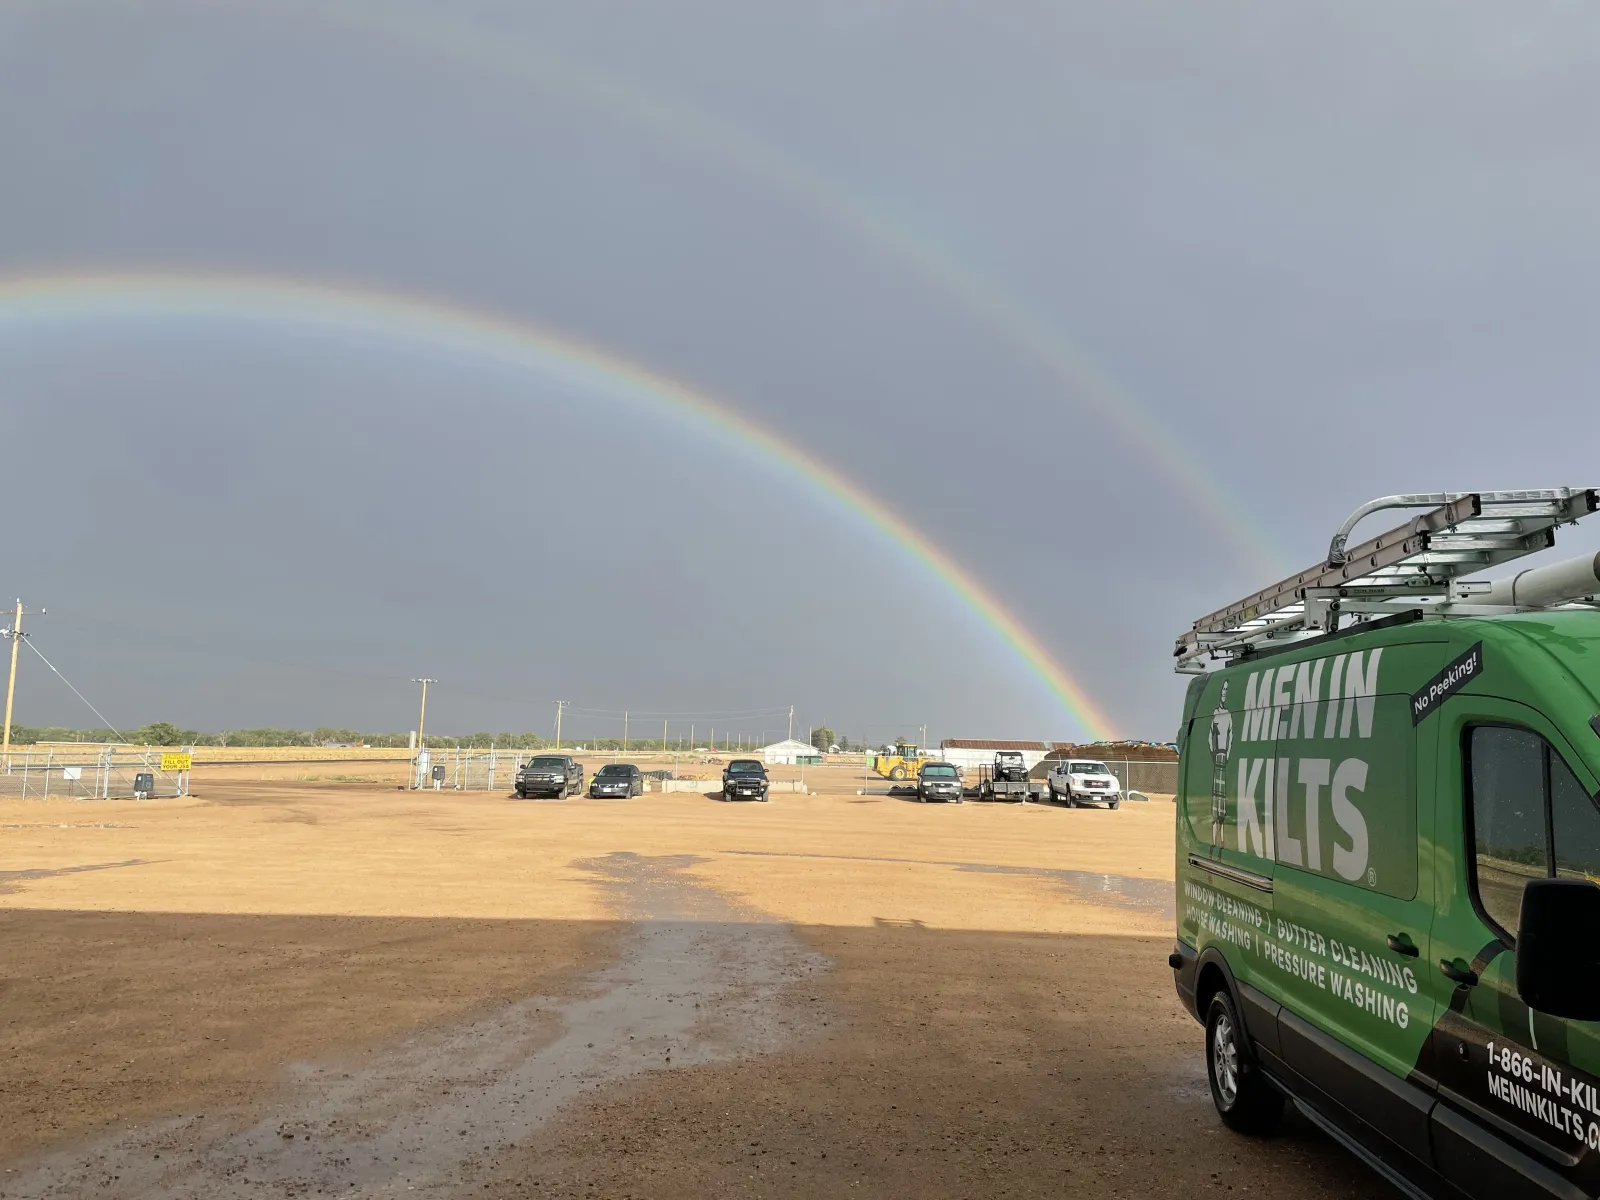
<point x="968" y="753"/>
<point x="788" y="753"/>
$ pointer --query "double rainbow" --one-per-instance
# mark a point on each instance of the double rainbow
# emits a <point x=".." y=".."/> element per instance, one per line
<point x="436" y="36"/>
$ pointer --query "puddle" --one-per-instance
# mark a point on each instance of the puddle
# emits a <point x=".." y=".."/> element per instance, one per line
<point x="1153" y="896"/>
<point x="697" y="980"/>
<point x="1117" y="891"/>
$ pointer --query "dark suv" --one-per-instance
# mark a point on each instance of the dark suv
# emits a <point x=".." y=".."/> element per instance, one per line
<point x="939" y="781"/>
<point x="555" y="775"/>
<point x="744" y="779"/>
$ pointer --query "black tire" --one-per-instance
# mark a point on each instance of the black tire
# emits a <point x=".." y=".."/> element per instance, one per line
<point x="1115" y="804"/>
<point x="521" y="795"/>
<point x="1245" y="1101"/>
<point x="897" y="773"/>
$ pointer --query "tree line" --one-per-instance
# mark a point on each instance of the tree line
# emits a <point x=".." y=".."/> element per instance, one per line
<point x="164" y="733"/>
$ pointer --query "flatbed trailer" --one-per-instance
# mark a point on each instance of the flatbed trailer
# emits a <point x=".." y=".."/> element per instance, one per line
<point x="1020" y="790"/>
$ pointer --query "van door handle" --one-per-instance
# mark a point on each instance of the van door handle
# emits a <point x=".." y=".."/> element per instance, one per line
<point x="1465" y="976"/>
<point x="1401" y="943"/>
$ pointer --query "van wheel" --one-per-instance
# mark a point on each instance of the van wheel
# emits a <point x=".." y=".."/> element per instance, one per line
<point x="1245" y="1101"/>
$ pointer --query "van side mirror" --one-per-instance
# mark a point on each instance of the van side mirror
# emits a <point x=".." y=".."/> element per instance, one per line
<point x="1558" y="948"/>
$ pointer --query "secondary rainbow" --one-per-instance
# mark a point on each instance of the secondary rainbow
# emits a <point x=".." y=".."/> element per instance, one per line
<point x="55" y="298"/>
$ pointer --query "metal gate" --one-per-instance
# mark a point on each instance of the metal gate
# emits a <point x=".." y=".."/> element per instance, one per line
<point x="469" y="770"/>
<point x="88" y="773"/>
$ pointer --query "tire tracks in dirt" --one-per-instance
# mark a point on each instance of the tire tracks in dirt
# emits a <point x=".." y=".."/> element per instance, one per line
<point x="698" y="980"/>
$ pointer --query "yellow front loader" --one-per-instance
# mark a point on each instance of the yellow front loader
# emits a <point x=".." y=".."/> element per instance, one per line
<point x="902" y="764"/>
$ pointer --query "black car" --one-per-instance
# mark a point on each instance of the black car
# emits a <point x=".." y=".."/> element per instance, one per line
<point x="939" y="781"/>
<point x="744" y="779"/>
<point x="557" y="775"/>
<point x="617" y="779"/>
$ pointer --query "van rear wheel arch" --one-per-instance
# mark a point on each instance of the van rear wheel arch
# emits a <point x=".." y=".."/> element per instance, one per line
<point x="1213" y="977"/>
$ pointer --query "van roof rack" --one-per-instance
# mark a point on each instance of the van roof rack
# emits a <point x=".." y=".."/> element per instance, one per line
<point x="1415" y="567"/>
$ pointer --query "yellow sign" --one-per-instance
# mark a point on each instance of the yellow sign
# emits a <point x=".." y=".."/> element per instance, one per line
<point x="177" y="762"/>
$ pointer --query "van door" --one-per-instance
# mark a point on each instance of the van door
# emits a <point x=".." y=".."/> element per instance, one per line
<point x="1519" y="1090"/>
<point x="1225" y="889"/>
<point x="1351" y="917"/>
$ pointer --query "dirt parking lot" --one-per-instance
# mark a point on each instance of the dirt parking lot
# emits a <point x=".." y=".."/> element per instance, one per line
<point x="278" y="988"/>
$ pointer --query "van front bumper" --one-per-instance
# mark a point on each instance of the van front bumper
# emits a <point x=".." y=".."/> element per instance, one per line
<point x="1185" y="963"/>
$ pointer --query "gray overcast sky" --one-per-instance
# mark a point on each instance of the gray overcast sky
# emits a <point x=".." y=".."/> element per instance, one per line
<point x="1330" y="251"/>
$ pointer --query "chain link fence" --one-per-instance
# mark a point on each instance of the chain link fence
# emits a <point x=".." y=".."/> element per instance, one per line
<point x="462" y="770"/>
<point x="1157" y="778"/>
<point x="88" y="773"/>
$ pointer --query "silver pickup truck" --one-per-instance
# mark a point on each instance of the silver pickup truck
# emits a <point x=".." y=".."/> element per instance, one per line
<point x="1078" y="781"/>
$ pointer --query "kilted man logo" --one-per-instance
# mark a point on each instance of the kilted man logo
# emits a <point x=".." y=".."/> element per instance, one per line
<point x="1221" y="747"/>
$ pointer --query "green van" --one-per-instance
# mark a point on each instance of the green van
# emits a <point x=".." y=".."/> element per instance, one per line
<point x="1388" y="842"/>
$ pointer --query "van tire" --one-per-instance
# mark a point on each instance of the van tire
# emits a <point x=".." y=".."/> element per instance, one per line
<point x="1245" y="1101"/>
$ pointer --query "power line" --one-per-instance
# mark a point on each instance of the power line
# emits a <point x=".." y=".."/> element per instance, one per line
<point x="75" y="691"/>
<point x="729" y="713"/>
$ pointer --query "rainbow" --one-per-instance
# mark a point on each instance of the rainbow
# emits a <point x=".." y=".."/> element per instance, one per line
<point x="433" y="34"/>
<point x="453" y="329"/>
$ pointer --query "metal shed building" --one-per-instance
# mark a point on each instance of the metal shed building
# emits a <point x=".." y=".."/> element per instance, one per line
<point x="789" y="752"/>
<point x="968" y="753"/>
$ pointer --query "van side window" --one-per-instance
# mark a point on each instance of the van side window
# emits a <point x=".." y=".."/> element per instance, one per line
<point x="1510" y="845"/>
<point x="1531" y="819"/>
<point x="1575" y="824"/>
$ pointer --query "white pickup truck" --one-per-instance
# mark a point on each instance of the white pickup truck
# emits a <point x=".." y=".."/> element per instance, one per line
<point x="1083" y="781"/>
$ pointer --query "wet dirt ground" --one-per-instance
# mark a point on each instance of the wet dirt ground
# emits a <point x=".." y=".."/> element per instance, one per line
<point x="290" y="990"/>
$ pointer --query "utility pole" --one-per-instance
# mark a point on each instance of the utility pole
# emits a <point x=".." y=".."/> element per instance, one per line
<point x="560" y="704"/>
<point x="924" y="729"/>
<point x="422" y="722"/>
<point x="16" y="635"/>
<point x="624" y="731"/>
<point x="791" y="722"/>
<point x="663" y="735"/>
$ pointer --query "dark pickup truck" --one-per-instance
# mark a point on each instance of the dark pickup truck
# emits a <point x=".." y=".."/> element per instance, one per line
<point x="744" y="779"/>
<point x="556" y="775"/>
